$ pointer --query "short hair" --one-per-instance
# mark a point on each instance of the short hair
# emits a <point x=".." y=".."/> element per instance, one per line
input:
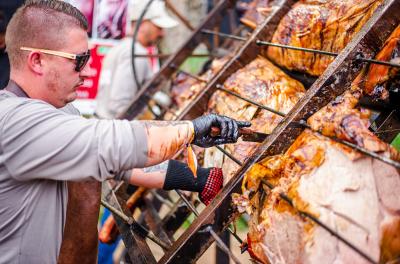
<point x="41" y="24"/>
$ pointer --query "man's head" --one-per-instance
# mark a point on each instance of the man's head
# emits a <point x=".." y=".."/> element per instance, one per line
<point x="155" y="20"/>
<point x="40" y="27"/>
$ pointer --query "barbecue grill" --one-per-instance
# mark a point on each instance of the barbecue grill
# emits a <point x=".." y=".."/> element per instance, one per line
<point x="219" y="215"/>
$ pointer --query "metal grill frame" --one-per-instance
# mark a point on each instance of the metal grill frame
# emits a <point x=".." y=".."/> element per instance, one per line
<point x="335" y="80"/>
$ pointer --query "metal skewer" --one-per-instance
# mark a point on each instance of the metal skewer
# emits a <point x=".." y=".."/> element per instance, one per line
<point x="219" y="242"/>
<point x="303" y="124"/>
<point x="318" y="222"/>
<point x="135" y="225"/>
<point x="328" y="53"/>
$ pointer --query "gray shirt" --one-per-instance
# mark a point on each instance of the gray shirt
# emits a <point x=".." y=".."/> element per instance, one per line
<point x="117" y="87"/>
<point x="41" y="148"/>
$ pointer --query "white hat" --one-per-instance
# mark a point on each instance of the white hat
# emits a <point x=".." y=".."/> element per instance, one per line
<point x="156" y="13"/>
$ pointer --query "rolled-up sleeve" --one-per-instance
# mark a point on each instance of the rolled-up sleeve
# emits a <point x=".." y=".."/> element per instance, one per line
<point x="41" y="142"/>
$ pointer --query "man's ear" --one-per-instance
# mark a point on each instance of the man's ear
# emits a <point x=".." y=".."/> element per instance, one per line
<point x="35" y="62"/>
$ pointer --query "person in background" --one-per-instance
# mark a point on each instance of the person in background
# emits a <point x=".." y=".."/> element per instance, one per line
<point x="117" y="85"/>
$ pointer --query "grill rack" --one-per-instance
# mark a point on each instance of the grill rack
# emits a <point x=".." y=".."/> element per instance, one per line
<point x="219" y="214"/>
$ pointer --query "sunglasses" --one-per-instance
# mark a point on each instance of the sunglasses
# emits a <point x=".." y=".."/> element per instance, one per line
<point x="80" y="59"/>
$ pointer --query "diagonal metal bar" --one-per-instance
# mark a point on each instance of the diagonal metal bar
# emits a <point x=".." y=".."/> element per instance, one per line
<point x="222" y="88"/>
<point x="229" y="155"/>
<point x="197" y="78"/>
<point x="318" y="222"/>
<point x="196" y="213"/>
<point x="163" y="76"/>
<point x="171" y="7"/>
<point x="135" y="225"/>
<point x="167" y="55"/>
<point x="328" y="53"/>
<point x="354" y="146"/>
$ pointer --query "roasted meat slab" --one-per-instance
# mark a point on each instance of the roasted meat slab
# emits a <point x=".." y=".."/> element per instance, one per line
<point x="185" y="88"/>
<point x="264" y="83"/>
<point x="256" y="12"/>
<point x="318" y="24"/>
<point x="354" y="194"/>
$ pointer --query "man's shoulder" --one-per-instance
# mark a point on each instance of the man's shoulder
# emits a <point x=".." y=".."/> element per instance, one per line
<point x="9" y="103"/>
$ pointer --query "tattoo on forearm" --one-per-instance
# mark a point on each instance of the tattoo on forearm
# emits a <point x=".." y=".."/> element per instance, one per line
<point x="159" y="167"/>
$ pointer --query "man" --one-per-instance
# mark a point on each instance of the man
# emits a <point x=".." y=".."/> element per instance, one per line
<point x="43" y="145"/>
<point x="117" y="86"/>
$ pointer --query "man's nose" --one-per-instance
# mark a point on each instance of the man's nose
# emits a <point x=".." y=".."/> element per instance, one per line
<point x="85" y="72"/>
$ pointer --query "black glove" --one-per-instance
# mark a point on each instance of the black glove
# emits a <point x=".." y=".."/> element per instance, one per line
<point x="208" y="182"/>
<point x="229" y="130"/>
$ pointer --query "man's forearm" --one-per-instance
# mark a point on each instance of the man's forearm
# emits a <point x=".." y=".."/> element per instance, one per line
<point x="166" y="138"/>
<point x="150" y="177"/>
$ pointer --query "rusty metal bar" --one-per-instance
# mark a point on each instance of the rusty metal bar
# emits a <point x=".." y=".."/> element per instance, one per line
<point x="197" y="78"/>
<point x="167" y="55"/>
<point x="322" y="52"/>
<point x="138" y="250"/>
<point x="196" y="213"/>
<point x="332" y="83"/>
<point x="318" y="222"/>
<point x="158" y="80"/>
<point x="220" y="87"/>
<point x="176" y="12"/>
<point x="219" y="242"/>
<point x="135" y="225"/>
<point x="154" y="222"/>
<point x="354" y="146"/>
<point x="229" y="155"/>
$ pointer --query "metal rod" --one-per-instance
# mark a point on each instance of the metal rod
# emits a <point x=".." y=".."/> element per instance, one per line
<point x="305" y="125"/>
<point x="196" y="213"/>
<point x="197" y="78"/>
<point x="211" y="32"/>
<point x="238" y="162"/>
<point x="178" y="14"/>
<point x="220" y="87"/>
<point x="356" y="147"/>
<point x="167" y="55"/>
<point x="318" y="222"/>
<point x="221" y="244"/>
<point x="162" y="199"/>
<point x="189" y="204"/>
<point x="132" y="223"/>
<point x="328" y="53"/>
<point x="387" y="131"/>
<point x="267" y="43"/>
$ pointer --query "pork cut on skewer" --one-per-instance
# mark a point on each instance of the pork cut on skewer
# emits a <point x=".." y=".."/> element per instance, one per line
<point x="267" y="85"/>
<point x="318" y="24"/>
<point x="354" y="194"/>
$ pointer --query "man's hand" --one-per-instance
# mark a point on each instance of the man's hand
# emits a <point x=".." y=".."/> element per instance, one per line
<point x="228" y="126"/>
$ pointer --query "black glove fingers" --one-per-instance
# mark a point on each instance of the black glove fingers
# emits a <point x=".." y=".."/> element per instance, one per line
<point x="243" y="123"/>
<point x="224" y="128"/>
<point x="235" y="131"/>
<point x="231" y="127"/>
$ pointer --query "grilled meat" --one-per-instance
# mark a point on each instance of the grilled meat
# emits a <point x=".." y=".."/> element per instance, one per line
<point x="267" y="85"/>
<point x="354" y="194"/>
<point x="185" y="88"/>
<point x="318" y="24"/>
<point x="377" y="80"/>
<point x="256" y="12"/>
